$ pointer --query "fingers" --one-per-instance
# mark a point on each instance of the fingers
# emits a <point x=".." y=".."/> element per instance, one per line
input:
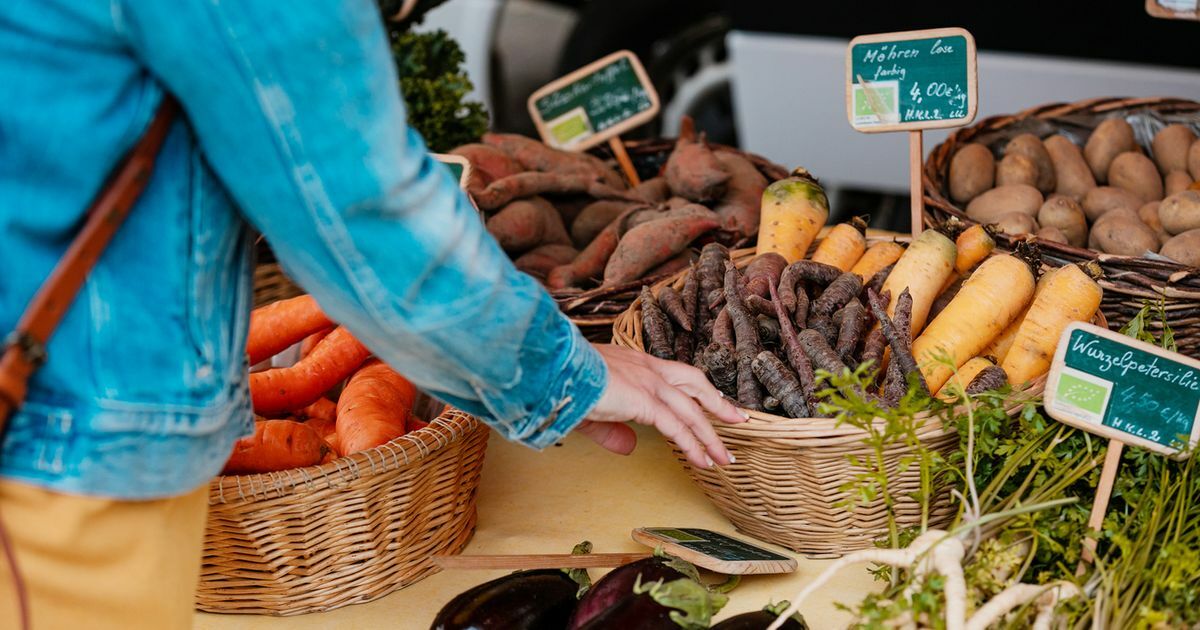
<point x="694" y="384"/>
<point x="616" y="437"/>
<point x="688" y="412"/>
<point x="662" y="417"/>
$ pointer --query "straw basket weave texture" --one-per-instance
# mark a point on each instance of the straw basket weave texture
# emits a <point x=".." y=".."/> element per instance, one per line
<point x="1128" y="281"/>
<point x="595" y="310"/>
<point x="345" y="532"/>
<point x="786" y="486"/>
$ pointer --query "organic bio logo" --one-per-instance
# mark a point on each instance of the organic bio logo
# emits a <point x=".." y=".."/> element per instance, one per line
<point x="1085" y="395"/>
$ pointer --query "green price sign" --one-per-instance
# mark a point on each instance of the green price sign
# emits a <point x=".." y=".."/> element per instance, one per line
<point x="597" y="102"/>
<point x="911" y="80"/>
<point x="1124" y="389"/>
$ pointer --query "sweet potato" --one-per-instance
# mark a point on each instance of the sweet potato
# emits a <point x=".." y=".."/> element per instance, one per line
<point x="527" y="223"/>
<point x="488" y="164"/>
<point x="647" y="214"/>
<point x="539" y="261"/>
<point x="740" y="205"/>
<point x="590" y="262"/>
<point x="535" y="156"/>
<point x="648" y="245"/>
<point x="692" y="169"/>
<point x="595" y="217"/>
<point x="653" y="190"/>
<point x="503" y="191"/>
<point x="672" y="265"/>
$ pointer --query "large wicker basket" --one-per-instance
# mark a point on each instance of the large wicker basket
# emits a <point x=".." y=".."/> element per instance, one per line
<point x="349" y="531"/>
<point x="1127" y="281"/>
<point x="595" y="310"/>
<point x="788" y="483"/>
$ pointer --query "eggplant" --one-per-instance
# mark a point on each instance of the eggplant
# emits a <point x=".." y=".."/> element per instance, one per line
<point x="640" y="612"/>
<point x="618" y="585"/>
<point x="761" y="619"/>
<point x="527" y="600"/>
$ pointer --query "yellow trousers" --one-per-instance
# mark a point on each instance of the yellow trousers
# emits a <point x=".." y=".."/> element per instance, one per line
<point x="102" y="563"/>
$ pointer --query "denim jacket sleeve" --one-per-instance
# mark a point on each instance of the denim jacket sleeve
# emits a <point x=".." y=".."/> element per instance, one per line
<point x="297" y="110"/>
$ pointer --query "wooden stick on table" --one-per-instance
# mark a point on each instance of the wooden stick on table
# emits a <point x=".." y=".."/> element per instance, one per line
<point x="540" y="561"/>
<point x="1108" y="476"/>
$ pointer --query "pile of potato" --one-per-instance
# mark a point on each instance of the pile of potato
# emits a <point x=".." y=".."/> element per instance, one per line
<point x="1110" y="197"/>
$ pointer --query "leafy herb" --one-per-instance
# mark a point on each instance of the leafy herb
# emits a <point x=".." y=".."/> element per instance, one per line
<point x="434" y="86"/>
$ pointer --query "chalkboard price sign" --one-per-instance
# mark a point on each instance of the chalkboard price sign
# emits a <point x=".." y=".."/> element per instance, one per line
<point x="911" y="80"/>
<point x="595" y="103"/>
<point x="1124" y="389"/>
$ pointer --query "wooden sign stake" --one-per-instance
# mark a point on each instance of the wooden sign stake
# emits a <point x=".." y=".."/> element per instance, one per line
<point x="618" y="149"/>
<point x="1108" y="476"/>
<point x="916" y="153"/>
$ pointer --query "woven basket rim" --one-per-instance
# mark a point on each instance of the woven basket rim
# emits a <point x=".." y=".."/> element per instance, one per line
<point x="1175" y="279"/>
<point x="451" y="426"/>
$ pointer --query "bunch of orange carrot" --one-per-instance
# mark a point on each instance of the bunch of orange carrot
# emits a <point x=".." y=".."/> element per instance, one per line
<point x="298" y="423"/>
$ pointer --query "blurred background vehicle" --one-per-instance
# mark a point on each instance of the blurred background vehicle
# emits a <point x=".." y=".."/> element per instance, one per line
<point x="768" y="76"/>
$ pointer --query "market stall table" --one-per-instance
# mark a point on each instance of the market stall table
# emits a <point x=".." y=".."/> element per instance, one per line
<point x="548" y="502"/>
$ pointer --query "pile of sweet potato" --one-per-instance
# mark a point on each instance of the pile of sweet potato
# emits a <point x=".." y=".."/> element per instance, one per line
<point x="298" y="422"/>
<point x="571" y="220"/>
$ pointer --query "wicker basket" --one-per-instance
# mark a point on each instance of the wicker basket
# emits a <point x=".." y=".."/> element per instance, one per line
<point x="349" y="531"/>
<point x="786" y="486"/>
<point x="1128" y="281"/>
<point x="595" y="310"/>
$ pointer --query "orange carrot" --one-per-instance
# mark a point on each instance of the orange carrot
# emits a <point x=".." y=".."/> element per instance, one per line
<point x="322" y="409"/>
<point x="416" y="424"/>
<point x="276" y="445"/>
<point x="373" y="408"/>
<point x="877" y="257"/>
<point x="278" y="390"/>
<point x="844" y="245"/>
<point x="276" y="326"/>
<point x="311" y="341"/>
<point x="973" y="244"/>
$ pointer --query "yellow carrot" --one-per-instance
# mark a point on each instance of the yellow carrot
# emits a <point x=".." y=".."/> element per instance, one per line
<point x="843" y="245"/>
<point x="793" y="211"/>
<point x="988" y="302"/>
<point x="963" y="376"/>
<point x="877" y="257"/>
<point x="1069" y="295"/>
<point x="1000" y="346"/>
<point x="922" y="269"/>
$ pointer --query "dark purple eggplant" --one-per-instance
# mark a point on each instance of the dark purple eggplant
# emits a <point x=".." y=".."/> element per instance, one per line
<point x="761" y="619"/>
<point x="640" y="612"/>
<point x="527" y="600"/>
<point x="618" y="584"/>
<point x="661" y="605"/>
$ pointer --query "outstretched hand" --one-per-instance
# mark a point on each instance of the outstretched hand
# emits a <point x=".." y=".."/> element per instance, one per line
<point x="662" y="394"/>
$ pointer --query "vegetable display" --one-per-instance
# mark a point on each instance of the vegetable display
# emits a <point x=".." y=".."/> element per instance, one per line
<point x="994" y="325"/>
<point x="299" y="420"/>
<point x="571" y="220"/>
<point x="1112" y="195"/>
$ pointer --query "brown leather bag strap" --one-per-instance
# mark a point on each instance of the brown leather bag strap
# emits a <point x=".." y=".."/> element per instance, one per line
<point x="25" y="348"/>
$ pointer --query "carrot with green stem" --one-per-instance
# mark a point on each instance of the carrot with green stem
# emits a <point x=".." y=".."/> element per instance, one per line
<point x="794" y="210"/>
<point x="373" y="408"/>
<point x="1069" y="295"/>
<point x="922" y="269"/>
<point x="282" y="389"/>
<point x="843" y="245"/>
<point x="989" y="301"/>
<point x="276" y="326"/>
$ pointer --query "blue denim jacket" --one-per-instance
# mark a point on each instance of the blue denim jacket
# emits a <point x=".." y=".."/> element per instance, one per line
<point x="294" y="124"/>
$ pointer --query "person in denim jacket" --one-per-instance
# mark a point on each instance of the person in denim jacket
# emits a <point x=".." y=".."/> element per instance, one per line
<point x="294" y="125"/>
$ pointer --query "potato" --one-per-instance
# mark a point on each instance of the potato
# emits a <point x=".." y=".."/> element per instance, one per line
<point x="1193" y="160"/>
<point x="1149" y="215"/>
<point x="1052" y="234"/>
<point x="1123" y="235"/>
<point x="1110" y="139"/>
<point x="1176" y="181"/>
<point x="1183" y="248"/>
<point x="1031" y="147"/>
<point x="1071" y="171"/>
<point x="993" y="204"/>
<point x="1136" y="173"/>
<point x="1016" y="169"/>
<point x="1016" y="223"/>
<point x="972" y="171"/>
<point x="1180" y="212"/>
<point x="1171" y="146"/>
<point x="1101" y="199"/>
<point x="1064" y="214"/>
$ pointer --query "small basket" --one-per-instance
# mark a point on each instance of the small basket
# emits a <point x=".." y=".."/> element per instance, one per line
<point x="1128" y="281"/>
<point x="786" y="486"/>
<point x="349" y="531"/>
<point x="595" y="310"/>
